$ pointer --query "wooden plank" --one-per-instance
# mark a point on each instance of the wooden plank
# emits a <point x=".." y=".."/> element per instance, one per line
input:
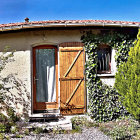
<point x="70" y="78"/>
<point x="73" y="63"/>
<point x="75" y="107"/>
<point x="70" y="49"/>
<point x="72" y="94"/>
<point x="71" y="44"/>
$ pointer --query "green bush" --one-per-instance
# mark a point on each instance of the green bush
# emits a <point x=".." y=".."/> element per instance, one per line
<point x="128" y="81"/>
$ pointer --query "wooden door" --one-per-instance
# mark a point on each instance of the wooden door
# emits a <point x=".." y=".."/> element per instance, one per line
<point x="45" y="85"/>
<point x="72" y="82"/>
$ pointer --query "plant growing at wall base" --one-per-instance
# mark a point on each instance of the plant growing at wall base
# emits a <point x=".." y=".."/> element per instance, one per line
<point x="128" y="80"/>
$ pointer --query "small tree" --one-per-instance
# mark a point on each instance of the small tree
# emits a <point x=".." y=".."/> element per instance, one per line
<point x="128" y="80"/>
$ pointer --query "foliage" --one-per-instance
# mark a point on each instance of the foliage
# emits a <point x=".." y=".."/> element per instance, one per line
<point x="38" y="130"/>
<point x="14" y="129"/>
<point x="104" y="103"/>
<point x="58" y="130"/>
<point x="3" y="118"/>
<point x="126" y="128"/>
<point x="137" y="136"/>
<point x="1" y="136"/>
<point x="110" y="38"/>
<point x="122" y="51"/>
<point x="79" y="122"/>
<point x="26" y="131"/>
<point x="2" y="128"/>
<point x="128" y="81"/>
<point x="7" y="122"/>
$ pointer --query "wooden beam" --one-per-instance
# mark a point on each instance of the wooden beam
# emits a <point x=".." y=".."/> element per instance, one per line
<point x="70" y="49"/>
<point x="72" y="94"/>
<point x="70" y="78"/>
<point x="72" y="63"/>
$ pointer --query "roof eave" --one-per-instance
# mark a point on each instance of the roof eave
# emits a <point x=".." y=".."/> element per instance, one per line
<point x="29" y="26"/>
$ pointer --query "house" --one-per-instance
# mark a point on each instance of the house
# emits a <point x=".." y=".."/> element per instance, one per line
<point x="47" y="73"/>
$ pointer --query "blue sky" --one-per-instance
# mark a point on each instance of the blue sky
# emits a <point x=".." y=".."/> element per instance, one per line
<point x="16" y="10"/>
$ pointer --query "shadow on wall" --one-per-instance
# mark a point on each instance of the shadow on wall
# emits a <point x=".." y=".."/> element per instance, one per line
<point x="16" y="96"/>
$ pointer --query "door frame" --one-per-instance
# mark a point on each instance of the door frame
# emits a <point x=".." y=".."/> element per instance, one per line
<point x="43" y="105"/>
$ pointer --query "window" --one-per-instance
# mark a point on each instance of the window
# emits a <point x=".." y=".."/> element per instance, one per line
<point x="104" y="59"/>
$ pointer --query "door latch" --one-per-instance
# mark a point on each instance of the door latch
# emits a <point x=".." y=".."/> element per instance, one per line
<point x="35" y="80"/>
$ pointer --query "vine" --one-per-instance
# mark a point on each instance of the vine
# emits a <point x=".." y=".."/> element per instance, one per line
<point x="104" y="104"/>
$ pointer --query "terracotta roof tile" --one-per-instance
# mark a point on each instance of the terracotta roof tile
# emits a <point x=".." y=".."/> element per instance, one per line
<point x="70" y="22"/>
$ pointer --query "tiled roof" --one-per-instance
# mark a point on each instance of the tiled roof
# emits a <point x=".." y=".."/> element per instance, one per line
<point x="59" y="23"/>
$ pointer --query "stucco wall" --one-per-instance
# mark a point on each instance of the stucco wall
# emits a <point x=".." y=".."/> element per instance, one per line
<point x="21" y="67"/>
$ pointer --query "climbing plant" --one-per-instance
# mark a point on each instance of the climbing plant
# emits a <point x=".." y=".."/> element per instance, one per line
<point x="104" y="104"/>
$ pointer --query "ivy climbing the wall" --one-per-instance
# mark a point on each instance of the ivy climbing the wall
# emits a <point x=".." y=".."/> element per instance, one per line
<point x="104" y="104"/>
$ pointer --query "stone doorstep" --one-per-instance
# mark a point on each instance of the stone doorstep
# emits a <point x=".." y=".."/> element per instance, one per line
<point x="54" y="121"/>
<point x="44" y="115"/>
<point x="49" y="126"/>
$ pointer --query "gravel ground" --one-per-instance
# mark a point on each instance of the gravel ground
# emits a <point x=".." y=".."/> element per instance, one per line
<point x="87" y="134"/>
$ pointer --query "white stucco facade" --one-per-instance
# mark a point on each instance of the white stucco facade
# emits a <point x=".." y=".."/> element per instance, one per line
<point x="21" y="67"/>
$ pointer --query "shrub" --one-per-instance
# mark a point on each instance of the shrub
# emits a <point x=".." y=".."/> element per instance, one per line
<point x="128" y="81"/>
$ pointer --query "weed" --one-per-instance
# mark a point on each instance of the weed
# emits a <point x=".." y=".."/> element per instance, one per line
<point x="18" y="136"/>
<point x="58" y="130"/>
<point x="1" y="136"/>
<point x="121" y="129"/>
<point x="14" y="129"/>
<point x="2" y="127"/>
<point x="38" y="130"/>
<point x="79" y="122"/>
<point x="26" y="131"/>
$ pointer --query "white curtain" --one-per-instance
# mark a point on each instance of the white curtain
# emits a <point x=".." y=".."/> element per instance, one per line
<point x="45" y="75"/>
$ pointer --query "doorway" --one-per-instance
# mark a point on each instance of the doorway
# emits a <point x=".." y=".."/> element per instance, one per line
<point x="45" y="78"/>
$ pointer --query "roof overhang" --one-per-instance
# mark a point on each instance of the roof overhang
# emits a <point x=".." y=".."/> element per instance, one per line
<point x="30" y="25"/>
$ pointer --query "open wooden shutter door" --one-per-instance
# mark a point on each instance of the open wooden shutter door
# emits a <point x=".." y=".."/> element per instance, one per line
<point x="72" y="82"/>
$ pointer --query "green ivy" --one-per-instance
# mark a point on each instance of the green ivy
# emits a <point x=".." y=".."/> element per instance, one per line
<point x="104" y="104"/>
<point x="122" y="51"/>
